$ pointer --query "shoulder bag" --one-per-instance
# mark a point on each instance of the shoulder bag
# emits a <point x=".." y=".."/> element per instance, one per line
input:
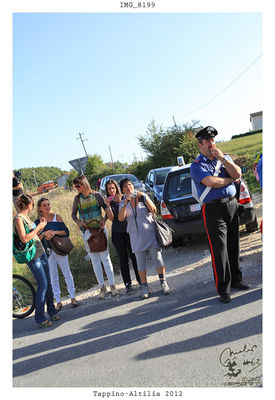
<point x="62" y="245"/>
<point x="23" y="253"/>
<point x="164" y="234"/>
<point x="97" y="241"/>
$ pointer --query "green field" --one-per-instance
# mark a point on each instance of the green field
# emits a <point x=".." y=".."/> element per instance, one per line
<point x="242" y="150"/>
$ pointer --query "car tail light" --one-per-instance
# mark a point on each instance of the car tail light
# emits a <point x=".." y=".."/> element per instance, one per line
<point x="244" y="194"/>
<point x="165" y="213"/>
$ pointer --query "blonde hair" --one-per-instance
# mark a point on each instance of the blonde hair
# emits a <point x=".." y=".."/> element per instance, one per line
<point x="40" y="201"/>
<point x="82" y="179"/>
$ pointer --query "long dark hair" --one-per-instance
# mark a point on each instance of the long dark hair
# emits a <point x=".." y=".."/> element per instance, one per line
<point x="114" y="183"/>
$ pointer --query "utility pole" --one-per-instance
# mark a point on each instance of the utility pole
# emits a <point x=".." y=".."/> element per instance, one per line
<point x="175" y="122"/>
<point x="80" y="137"/>
<point x="111" y="156"/>
<point x="35" y="178"/>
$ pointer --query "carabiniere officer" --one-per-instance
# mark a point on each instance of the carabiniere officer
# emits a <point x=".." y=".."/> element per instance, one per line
<point x="219" y="211"/>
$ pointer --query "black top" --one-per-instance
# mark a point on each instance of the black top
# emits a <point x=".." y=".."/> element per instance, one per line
<point x="117" y="226"/>
<point x="16" y="182"/>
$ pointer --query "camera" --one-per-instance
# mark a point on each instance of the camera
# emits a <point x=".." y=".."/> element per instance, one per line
<point x="134" y="194"/>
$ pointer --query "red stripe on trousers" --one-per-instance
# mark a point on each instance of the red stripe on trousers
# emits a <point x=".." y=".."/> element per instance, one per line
<point x="211" y="248"/>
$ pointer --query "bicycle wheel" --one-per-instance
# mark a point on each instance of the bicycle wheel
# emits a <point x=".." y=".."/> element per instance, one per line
<point x="23" y="297"/>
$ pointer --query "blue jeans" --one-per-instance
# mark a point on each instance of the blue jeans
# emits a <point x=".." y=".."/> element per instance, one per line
<point x="44" y="294"/>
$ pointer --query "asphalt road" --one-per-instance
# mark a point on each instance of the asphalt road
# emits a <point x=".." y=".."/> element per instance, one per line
<point x="186" y="339"/>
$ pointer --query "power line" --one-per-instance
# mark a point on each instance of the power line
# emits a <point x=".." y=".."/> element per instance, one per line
<point x="228" y="86"/>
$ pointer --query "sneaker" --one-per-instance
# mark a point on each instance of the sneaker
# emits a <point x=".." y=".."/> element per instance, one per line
<point x="129" y="289"/>
<point x="114" y="290"/>
<point x="102" y="293"/>
<point x="165" y="288"/>
<point x="144" y="292"/>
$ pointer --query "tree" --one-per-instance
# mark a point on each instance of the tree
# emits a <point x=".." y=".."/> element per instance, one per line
<point x="163" y="146"/>
<point x="188" y="147"/>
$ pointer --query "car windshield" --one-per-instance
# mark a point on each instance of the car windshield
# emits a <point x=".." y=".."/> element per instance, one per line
<point x="161" y="175"/>
<point x="179" y="185"/>
<point x="119" y="178"/>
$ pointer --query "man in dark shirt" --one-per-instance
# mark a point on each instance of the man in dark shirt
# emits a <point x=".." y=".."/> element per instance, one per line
<point x="16" y="189"/>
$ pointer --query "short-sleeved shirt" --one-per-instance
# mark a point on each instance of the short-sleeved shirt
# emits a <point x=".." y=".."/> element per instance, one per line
<point x="203" y="167"/>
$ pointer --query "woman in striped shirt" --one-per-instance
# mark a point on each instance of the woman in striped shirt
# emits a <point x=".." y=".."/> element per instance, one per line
<point x="87" y="204"/>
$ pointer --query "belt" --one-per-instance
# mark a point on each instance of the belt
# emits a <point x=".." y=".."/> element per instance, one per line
<point x="220" y="201"/>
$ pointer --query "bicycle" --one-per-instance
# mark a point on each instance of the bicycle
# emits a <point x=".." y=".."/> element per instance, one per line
<point x="23" y="297"/>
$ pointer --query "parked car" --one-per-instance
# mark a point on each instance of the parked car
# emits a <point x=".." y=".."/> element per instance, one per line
<point x="154" y="183"/>
<point x="183" y="213"/>
<point x="139" y="185"/>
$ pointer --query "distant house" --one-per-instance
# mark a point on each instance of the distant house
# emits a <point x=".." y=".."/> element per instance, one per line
<point x="256" y="120"/>
<point x="62" y="179"/>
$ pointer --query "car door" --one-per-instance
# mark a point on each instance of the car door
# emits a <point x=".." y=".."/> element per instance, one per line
<point x="149" y="184"/>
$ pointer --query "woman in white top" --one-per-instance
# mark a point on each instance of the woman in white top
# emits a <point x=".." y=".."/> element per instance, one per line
<point x="56" y="226"/>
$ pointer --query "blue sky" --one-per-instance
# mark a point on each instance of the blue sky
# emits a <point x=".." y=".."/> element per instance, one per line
<point x="107" y="75"/>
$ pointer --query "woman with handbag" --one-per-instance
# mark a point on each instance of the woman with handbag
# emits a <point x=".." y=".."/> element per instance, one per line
<point x="87" y="204"/>
<point x="120" y="237"/>
<point x="27" y="230"/>
<point x="55" y="226"/>
<point x="137" y="209"/>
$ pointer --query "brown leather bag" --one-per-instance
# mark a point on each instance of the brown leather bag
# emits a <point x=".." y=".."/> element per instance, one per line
<point x="97" y="241"/>
<point x="61" y="245"/>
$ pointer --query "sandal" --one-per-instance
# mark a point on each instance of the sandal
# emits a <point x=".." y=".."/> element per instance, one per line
<point x="55" y="317"/>
<point x="45" y="324"/>
<point x="58" y="307"/>
<point x="74" y="303"/>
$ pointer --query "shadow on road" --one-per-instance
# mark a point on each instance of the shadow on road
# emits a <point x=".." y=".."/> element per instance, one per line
<point x="128" y="327"/>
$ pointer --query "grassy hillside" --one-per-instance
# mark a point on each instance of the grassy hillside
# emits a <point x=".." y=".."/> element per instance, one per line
<point x="242" y="150"/>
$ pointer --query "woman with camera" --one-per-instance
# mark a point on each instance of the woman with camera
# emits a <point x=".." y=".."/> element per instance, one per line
<point x="120" y="237"/>
<point x="87" y="204"/>
<point x="136" y="208"/>
<point x="55" y="226"/>
<point x="39" y="264"/>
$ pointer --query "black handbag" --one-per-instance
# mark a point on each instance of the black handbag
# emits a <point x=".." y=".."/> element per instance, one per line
<point x="163" y="233"/>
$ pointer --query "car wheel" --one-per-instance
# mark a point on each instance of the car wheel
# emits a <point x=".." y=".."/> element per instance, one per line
<point x="252" y="226"/>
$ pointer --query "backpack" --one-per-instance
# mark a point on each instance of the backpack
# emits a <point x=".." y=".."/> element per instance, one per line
<point x="22" y="252"/>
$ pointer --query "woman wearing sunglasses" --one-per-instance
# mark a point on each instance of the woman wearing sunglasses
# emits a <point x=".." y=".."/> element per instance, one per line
<point x="87" y="205"/>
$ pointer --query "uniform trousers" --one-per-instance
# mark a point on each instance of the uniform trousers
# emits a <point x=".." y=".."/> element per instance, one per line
<point x="221" y="221"/>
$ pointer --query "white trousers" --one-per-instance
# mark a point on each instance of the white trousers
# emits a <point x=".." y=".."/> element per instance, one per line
<point x="63" y="262"/>
<point x="98" y="258"/>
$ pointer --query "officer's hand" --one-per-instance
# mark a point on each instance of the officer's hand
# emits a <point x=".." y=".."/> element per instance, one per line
<point x="217" y="153"/>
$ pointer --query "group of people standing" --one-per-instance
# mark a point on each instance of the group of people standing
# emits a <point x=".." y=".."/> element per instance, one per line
<point x="133" y="233"/>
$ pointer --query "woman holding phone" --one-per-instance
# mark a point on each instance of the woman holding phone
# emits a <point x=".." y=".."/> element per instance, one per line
<point x="120" y="237"/>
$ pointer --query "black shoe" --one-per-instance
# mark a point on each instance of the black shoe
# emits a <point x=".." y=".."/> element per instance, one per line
<point x="240" y="285"/>
<point x="129" y="289"/>
<point x="225" y="298"/>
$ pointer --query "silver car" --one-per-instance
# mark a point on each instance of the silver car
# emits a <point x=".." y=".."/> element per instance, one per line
<point x="139" y="185"/>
